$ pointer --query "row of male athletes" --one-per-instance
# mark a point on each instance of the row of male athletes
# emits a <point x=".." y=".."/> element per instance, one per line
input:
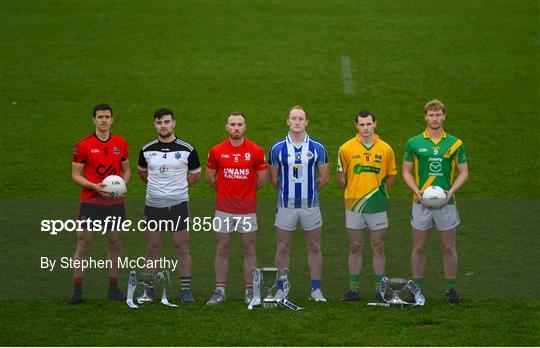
<point x="298" y="168"/>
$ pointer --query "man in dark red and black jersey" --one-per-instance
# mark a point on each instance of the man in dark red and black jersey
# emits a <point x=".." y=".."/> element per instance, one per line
<point x="97" y="156"/>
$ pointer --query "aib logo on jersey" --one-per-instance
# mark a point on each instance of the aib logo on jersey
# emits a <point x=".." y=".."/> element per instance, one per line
<point x="101" y="170"/>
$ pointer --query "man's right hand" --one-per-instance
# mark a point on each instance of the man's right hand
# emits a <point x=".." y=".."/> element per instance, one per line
<point x="419" y="196"/>
<point x="100" y="188"/>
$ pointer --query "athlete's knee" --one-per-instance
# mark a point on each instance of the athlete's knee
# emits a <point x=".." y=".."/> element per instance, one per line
<point x="282" y="256"/>
<point x="249" y="249"/>
<point x="181" y="247"/>
<point x="115" y="243"/>
<point x="222" y="250"/>
<point x="283" y="247"/>
<point x="419" y="247"/>
<point x="83" y="245"/>
<point x="356" y="247"/>
<point x="153" y="246"/>
<point x="314" y="247"/>
<point x="449" y="249"/>
<point x="249" y="253"/>
<point x="378" y="247"/>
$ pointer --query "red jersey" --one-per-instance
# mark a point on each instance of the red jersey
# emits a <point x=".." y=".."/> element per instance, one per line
<point x="101" y="159"/>
<point x="237" y="168"/>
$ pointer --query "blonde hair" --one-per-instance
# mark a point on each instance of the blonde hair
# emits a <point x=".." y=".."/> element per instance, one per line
<point x="434" y="104"/>
<point x="297" y="107"/>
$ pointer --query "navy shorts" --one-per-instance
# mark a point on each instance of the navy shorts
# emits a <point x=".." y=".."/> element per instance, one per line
<point x="169" y="219"/>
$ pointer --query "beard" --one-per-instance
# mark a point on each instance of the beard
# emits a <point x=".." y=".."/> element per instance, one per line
<point x="236" y="135"/>
<point x="165" y="134"/>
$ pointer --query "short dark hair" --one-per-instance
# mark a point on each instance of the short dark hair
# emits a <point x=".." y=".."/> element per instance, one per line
<point x="101" y="106"/>
<point x="365" y="113"/>
<point x="162" y="112"/>
<point x="236" y="114"/>
<point x="297" y="107"/>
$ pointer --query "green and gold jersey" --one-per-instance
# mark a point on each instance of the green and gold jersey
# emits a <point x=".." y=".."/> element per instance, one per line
<point x="435" y="162"/>
<point x="366" y="170"/>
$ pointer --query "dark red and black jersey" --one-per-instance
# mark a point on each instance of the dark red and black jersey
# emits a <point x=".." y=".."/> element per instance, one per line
<point x="101" y="159"/>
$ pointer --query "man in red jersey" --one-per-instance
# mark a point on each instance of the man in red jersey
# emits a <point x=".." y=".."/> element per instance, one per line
<point x="97" y="156"/>
<point x="236" y="168"/>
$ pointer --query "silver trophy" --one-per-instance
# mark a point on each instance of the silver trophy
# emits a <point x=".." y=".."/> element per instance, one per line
<point x="148" y="281"/>
<point x="265" y="280"/>
<point x="268" y="283"/>
<point x="399" y="292"/>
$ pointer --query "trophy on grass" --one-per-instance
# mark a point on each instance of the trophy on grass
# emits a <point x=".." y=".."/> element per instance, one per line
<point x="148" y="281"/>
<point x="399" y="292"/>
<point x="265" y="280"/>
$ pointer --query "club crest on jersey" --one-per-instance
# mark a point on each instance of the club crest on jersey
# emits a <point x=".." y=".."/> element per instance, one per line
<point x="177" y="155"/>
<point x="310" y="154"/>
<point x="163" y="169"/>
<point x="116" y="150"/>
<point x="378" y="158"/>
<point x="247" y="156"/>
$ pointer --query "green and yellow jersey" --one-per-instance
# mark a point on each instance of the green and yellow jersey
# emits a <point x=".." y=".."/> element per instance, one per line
<point x="435" y="162"/>
<point x="366" y="169"/>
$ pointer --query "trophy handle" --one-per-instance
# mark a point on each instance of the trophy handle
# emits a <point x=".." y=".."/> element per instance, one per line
<point x="256" y="300"/>
<point x="132" y="284"/>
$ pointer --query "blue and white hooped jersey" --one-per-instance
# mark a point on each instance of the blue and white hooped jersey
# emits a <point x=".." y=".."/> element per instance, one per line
<point x="297" y="176"/>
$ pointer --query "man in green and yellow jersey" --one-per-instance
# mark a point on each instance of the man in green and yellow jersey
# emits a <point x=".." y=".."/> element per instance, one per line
<point x="366" y="169"/>
<point x="432" y="158"/>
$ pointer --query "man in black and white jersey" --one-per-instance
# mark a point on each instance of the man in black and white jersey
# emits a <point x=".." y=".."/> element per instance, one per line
<point x="168" y="166"/>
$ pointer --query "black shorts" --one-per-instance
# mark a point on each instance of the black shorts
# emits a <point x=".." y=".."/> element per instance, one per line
<point x="96" y="212"/>
<point x="169" y="219"/>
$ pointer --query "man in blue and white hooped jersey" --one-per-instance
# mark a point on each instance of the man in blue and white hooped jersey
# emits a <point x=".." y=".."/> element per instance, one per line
<point x="299" y="169"/>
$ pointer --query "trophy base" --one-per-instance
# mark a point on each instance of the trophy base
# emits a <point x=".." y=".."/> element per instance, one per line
<point x="269" y="304"/>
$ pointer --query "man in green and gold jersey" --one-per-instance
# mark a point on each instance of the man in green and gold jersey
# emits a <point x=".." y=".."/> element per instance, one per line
<point x="435" y="156"/>
<point x="366" y="169"/>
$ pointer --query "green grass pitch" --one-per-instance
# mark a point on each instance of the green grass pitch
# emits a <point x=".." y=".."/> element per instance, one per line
<point x="204" y="59"/>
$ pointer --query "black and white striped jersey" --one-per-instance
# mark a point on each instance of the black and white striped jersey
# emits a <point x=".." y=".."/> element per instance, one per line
<point x="168" y="165"/>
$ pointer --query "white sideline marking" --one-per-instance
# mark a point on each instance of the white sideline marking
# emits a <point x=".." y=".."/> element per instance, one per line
<point x="348" y="87"/>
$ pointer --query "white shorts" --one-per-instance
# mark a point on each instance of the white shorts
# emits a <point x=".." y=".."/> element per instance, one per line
<point x="445" y="218"/>
<point x="358" y="221"/>
<point x="287" y="218"/>
<point x="241" y="223"/>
